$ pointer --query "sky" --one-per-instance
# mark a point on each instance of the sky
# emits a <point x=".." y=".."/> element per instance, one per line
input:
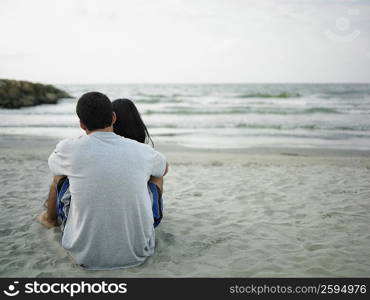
<point x="185" y="41"/>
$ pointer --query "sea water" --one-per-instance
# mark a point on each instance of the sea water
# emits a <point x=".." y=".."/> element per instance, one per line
<point x="221" y="115"/>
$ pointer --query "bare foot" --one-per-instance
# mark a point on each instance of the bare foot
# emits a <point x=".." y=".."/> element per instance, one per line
<point x="44" y="220"/>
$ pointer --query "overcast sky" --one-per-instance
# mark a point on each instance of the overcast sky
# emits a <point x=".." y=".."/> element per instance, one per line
<point x="193" y="41"/>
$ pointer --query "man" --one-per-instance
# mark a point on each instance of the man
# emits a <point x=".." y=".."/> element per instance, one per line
<point x="110" y="219"/>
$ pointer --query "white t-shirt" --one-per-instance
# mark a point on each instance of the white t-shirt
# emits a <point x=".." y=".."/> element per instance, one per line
<point x="110" y="221"/>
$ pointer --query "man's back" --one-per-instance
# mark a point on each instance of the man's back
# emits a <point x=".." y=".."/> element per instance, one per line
<point x="110" y="221"/>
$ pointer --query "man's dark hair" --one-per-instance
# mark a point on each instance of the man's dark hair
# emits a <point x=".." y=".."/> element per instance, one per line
<point x="94" y="110"/>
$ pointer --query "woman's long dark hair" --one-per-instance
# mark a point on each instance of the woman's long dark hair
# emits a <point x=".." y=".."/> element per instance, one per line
<point x="129" y="123"/>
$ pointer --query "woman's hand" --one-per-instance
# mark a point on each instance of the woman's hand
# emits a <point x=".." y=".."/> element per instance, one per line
<point x="46" y="221"/>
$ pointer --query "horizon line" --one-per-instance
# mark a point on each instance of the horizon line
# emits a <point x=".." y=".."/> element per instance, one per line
<point x="191" y="83"/>
<point x="209" y="83"/>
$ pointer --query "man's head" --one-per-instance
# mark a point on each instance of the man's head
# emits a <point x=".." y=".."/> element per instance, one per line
<point x="95" y="112"/>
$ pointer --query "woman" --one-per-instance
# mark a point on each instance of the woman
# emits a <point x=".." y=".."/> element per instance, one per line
<point x="129" y="125"/>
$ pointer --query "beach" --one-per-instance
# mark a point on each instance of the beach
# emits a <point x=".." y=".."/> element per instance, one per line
<point x="246" y="212"/>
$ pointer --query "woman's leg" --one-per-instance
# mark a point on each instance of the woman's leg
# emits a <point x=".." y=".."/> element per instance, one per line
<point x="155" y="185"/>
<point x="49" y="218"/>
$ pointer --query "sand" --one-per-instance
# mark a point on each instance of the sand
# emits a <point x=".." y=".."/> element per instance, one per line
<point x="229" y="213"/>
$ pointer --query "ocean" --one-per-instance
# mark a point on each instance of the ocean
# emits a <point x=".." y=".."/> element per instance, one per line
<point x="221" y="115"/>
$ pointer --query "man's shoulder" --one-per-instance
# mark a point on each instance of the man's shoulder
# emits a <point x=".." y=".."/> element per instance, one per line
<point x="135" y="144"/>
<point x="70" y="142"/>
<point x="141" y="149"/>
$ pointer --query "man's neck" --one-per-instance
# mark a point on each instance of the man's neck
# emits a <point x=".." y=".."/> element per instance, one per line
<point x="106" y="129"/>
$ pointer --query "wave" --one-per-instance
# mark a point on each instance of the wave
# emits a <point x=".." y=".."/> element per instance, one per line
<point x="150" y="101"/>
<point x="268" y="95"/>
<point x="346" y="93"/>
<point x="168" y="95"/>
<point x="210" y="110"/>
<point x="304" y="127"/>
<point x="158" y="100"/>
<point x="317" y="135"/>
<point x="152" y="95"/>
<point x="39" y="126"/>
<point x="245" y="110"/>
<point x="325" y="110"/>
<point x="215" y="126"/>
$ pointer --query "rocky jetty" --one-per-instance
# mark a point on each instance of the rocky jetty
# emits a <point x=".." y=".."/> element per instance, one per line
<point x="16" y="94"/>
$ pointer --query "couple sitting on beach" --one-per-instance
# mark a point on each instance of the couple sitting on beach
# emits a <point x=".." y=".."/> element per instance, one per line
<point x="107" y="186"/>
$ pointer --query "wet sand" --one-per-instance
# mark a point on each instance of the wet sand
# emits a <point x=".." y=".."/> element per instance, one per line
<point x="228" y="213"/>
